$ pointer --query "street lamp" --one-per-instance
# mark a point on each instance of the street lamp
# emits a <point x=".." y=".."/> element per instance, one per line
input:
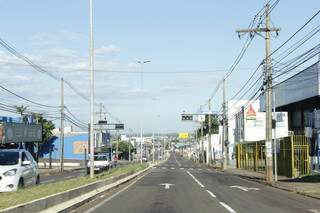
<point x="91" y="91"/>
<point x="141" y="72"/>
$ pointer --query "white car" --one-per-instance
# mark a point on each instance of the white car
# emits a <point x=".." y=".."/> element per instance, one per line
<point x="101" y="163"/>
<point x="17" y="169"/>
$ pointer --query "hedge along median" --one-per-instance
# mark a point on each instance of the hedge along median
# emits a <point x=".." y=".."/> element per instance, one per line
<point x="43" y="190"/>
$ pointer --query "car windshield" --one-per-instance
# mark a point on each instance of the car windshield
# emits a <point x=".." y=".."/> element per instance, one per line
<point x="100" y="158"/>
<point x="9" y="158"/>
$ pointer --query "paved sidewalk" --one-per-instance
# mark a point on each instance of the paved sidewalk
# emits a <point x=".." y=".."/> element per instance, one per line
<point x="55" y="170"/>
<point x="309" y="185"/>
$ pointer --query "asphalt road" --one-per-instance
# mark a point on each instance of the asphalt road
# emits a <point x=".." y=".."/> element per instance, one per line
<point x="197" y="189"/>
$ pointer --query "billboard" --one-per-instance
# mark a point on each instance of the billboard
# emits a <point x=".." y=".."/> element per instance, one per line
<point x="79" y="147"/>
<point x="19" y="132"/>
<point x="251" y="124"/>
<point x="183" y="135"/>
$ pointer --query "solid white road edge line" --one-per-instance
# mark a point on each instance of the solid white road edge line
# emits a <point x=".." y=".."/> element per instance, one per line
<point x="211" y="194"/>
<point x="198" y="182"/>
<point x="227" y="207"/>
<point x="114" y="195"/>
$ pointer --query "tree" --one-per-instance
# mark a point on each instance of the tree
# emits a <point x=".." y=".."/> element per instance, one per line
<point x="214" y="126"/>
<point x="123" y="148"/>
<point x="48" y="138"/>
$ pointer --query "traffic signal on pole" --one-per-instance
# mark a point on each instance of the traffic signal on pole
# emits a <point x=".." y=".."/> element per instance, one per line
<point x="187" y="117"/>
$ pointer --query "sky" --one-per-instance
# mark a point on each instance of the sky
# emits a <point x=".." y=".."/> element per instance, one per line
<point x="191" y="44"/>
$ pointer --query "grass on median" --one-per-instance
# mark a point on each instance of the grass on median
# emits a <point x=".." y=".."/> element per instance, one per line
<point x="35" y="192"/>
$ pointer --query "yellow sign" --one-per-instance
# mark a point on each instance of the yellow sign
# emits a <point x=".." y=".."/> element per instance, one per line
<point x="184" y="135"/>
<point x="79" y="146"/>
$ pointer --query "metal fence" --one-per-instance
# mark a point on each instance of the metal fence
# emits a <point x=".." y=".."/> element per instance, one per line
<point x="292" y="156"/>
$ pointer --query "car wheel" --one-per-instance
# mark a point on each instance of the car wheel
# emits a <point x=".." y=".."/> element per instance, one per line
<point x="38" y="180"/>
<point x="21" y="183"/>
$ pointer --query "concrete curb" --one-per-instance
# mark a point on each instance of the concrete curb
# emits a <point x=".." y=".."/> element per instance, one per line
<point x="73" y="198"/>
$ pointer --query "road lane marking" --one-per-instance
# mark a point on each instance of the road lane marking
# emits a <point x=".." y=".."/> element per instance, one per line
<point x="246" y="189"/>
<point x="211" y="194"/>
<point x="191" y="168"/>
<point x="227" y="207"/>
<point x="172" y="167"/>
<point x="166" y="185"/>
<point x="114" y="195"/>
<point x="182" y="168"/>
<point x="164" y="167"/>
<point x="199" y="169"/>
<point x="198" y="182"/>
<point x="314" y="210"/>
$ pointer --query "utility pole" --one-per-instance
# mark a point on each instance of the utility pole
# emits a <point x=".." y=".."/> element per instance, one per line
<point x="224" y="130"/>
<point x="62" y="127"/>
<point x="117" y="145"/>
<point x="209" y="133"/>
<point x="153" y="151"/>
<point x="202" y="148"/>
<point x="268" y="91"/>
<point x="91" y="91"/>
<point x="159" y="150"/>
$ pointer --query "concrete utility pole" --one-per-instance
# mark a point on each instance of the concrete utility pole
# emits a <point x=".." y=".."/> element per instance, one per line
<point x="153" y="151"/>
<point x="224" y="130"/>
<point x="268" y="92"/>
<point x="91" y="91"/>
<point x="202" y="148"/>
<point x="209" y="134"/>
<point x="62" y="127"/>
<point x="159" y="151"/>
<point x="117" y="145"/>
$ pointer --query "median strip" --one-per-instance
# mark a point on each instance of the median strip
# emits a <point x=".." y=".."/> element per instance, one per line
<point x="44" y="191"/>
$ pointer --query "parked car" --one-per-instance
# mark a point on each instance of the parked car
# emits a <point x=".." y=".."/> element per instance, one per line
<point x="17" y="169"/>
<point x="101" y="163"/>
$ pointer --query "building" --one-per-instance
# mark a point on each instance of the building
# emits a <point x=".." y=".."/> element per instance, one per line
<point x="299" y="96"/>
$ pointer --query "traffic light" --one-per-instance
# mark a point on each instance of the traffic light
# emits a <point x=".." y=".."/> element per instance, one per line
<point x="187" y="117"/>
<point x="119" y="126"/>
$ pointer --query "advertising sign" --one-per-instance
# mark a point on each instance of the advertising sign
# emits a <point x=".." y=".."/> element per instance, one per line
<point x="201" y="118"/>
<point x="79" y="147"/>
<point x="183" y="135"/>
<point x="19" y="132"/>
<point x="255" y="125"/>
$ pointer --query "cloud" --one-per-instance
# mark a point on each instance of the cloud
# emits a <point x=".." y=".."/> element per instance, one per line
<point x="107" y="49"/>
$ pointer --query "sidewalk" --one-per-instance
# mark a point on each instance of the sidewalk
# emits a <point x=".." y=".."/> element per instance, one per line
<point x="308" y="185"/>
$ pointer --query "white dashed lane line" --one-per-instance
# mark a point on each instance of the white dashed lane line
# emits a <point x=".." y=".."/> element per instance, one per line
<point x="211" y="194"/>
<point x="227" y="207"/>
<point x="198" y="182"/>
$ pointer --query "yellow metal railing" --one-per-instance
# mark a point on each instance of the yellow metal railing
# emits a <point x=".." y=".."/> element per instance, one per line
<point x="292" y="158"/>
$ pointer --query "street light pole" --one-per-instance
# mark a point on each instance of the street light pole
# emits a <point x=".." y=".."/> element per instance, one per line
<point x="141" y="138"/>
<point x="91" y="91"/>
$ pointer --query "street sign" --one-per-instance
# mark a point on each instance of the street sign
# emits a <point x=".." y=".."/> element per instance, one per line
<point x="102" y="122"/>
<point x="201" y="118"/>
<point x="119" y="126"/>
<point x="183" y="135"/>
<point x="20" y="132"/>
<point x="187" y="117"/>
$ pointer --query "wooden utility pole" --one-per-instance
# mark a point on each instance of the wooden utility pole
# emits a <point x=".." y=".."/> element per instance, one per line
<point x="268" y="91"/>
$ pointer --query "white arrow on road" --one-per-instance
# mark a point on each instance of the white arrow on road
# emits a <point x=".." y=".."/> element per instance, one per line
<point x="166" y="185"/>
<point x="243" y="188"/>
